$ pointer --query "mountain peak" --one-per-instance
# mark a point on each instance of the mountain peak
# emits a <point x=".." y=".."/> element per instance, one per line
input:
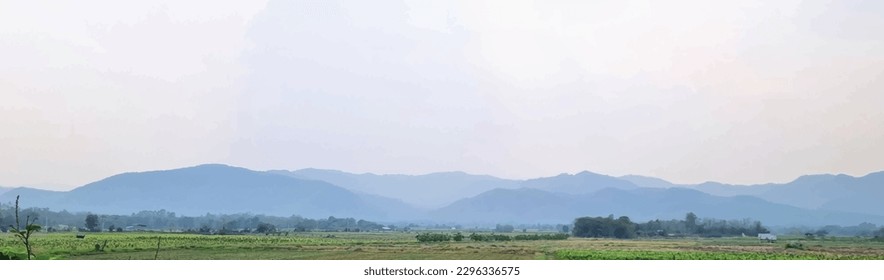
<point x="580" y="183"/>
<point x="583" y="173"/>
<point x="813" y="178"/>
<point x="213" y="166"/>
<point x="647" y="181"/>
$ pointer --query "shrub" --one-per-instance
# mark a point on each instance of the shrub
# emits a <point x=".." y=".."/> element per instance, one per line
<point x="458" y="237"/>
<point x="433" y="237"/>
<point x="547" y="236"/>
<point x="499" y="237"/>
<point x="9" y="255"/>
<point x="477" y="237"/>
<point x="503" y="237"/>
<point x="795" y="245"/>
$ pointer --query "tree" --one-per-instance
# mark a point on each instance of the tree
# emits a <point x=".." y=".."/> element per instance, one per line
<point x="690" y="221"/>
<point x="588" y="227"/>
<point x="622" y="227"/>
<point x="205" y="229"/>
<point x="24" y="235"/>
<point x="92" y="222"/>
<point x="266" y="228"/>
<point x="759" y="228"/>
<point x="504" y="228"/>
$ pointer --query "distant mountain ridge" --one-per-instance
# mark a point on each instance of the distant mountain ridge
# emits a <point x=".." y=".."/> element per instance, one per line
<point x="581" y="183"/>
<point x="648" y="182"/>
<point x="424" y="191"/>
<point x="462" y="197"/>
<point x="538" y="206"/>
<point x="35" y="197"/>
<point x="210" y="188"/>
<point x="824" y="191"/>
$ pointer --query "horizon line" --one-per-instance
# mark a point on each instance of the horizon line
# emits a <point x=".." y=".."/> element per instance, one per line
<point x="64" y="188"/>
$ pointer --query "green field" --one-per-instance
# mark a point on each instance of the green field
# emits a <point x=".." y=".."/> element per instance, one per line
<point x="396" y="246"/>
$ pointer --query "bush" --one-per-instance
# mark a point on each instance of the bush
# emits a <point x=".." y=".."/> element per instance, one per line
<point x="795" y="245"/>
<point x="548" y="236"/>
<point x="477" y="237"/>
<point x="499" y="237"/>
<point x="458" y="237"/>
<point x="502" y="237"/>
<point x="9" y="255"/>
<point x="433" y="237"/>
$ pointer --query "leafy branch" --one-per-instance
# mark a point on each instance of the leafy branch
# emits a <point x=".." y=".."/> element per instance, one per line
<point x="24" y="234"/>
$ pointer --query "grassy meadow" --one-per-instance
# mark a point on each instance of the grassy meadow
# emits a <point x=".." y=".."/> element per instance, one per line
<point x="404" y="246"/>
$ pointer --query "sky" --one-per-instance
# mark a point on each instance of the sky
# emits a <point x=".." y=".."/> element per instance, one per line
<point x="689" y="91"/>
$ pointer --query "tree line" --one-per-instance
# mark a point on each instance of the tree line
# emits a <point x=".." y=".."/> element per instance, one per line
<point x="860" y="230"/>
<point x="691" y="225"/>
<point x="442" y="237"/>
<point x="162" y="220"/>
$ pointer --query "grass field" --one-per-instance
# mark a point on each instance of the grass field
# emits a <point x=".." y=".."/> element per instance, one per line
<point x="396" y="246"/>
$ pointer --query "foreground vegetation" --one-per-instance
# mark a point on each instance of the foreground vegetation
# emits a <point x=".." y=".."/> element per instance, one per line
<point x="233" y="237"/>
<point x="397" y="245"/>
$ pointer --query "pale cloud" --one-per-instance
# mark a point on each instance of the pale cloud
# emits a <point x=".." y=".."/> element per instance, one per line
<point x="94" y="88"/>
<point x="742" y="92"/>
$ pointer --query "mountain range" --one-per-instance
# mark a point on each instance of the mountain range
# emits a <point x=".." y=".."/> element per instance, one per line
<point x="209" y="189"/>
<point x="824" y="192"/>
<point x="457" y="197"/>
<point x="424" y="191"/>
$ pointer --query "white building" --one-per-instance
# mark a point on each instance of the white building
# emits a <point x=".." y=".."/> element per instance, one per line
<point x="767" y="237"/>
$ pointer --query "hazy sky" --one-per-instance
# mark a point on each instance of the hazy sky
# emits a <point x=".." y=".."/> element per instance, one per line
<point x="730" y="91"/>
